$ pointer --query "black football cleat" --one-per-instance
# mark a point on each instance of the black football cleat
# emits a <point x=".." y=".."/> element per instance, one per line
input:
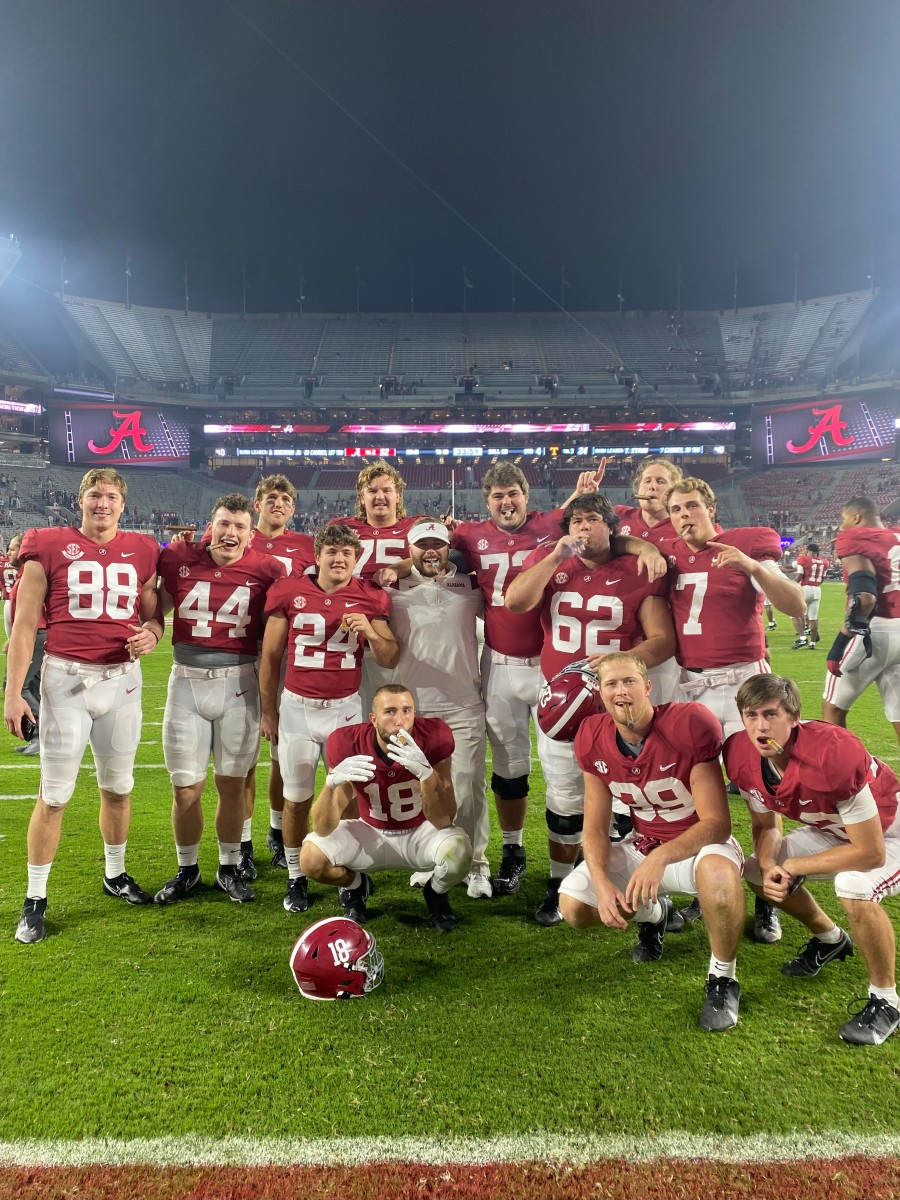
<point x="816" y="953"/>
<point x="123" y="887"/>
<point x="228" y="881"/>
<point x="181" y="885"/>
<point x="649" y="946"/>
<point x="30" y="928"/>
<point x="872" y="1025"/>
<point x="275" y="844"/>
<point x="766" y="923"/>
<point x="296" y="897"/>
<point x="353" y="900"/>
<point x="720" y="1008"/>
<point x="512" y="870"/>
<point x="548" y="913"/>
<point x="247" y="863"/>
<point x="442" y="915"/>
<point x="691" y="912"/>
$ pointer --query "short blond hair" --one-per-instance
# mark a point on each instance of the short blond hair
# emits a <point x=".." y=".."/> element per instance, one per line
<point x="365" y="477"/>
<point x="103" y="475"/>
<point x="674" y="471"/>
<point x="691" y="484"/>
<point x="623" y="656"/>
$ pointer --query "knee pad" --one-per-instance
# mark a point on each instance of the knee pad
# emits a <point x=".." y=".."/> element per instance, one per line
<point x="115" y="779"/>
<point x="55" y="801"/>
<point x="510" y="789"/>
<point x="565" y="830"/>
<point x="453" y="858"/>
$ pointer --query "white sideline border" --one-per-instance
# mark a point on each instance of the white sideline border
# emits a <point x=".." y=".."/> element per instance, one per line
<point x="569" y="1149"/>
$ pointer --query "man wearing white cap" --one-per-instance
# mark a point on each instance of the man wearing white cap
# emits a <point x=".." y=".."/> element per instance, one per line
<point x="433" y="616"/>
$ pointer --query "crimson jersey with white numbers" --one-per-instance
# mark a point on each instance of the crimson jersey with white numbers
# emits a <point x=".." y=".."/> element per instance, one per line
<point x="812" y="570"/>
<point x="882" y="547"/>
<point x="8" y="576"/>
<point x="218" y="608"/>
<point x="381" y="546"/>
<point x="633" y="523"/>
<point x="294" y="550"/>
<point x="828" y="768"/>
<point x="393" y="798"/>
<point x="324" y="660"/>
<point x="656" y="785"/>
<point x="591" y="610"/>
<point x="497" y="557"/>
<point x="93" y="590"/>
<point x="717" y="609"/>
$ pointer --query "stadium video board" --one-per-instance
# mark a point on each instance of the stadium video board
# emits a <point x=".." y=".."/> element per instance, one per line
<point x="123" y="433"/>
<point x="858" y="428"/>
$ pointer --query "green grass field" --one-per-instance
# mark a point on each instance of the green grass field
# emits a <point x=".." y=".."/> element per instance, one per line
<point x="165" y="1022"/>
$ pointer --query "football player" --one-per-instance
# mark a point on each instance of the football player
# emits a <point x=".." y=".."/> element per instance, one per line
<point x="811" y="568"/>
<point x="97" y="585"/>
<point x="395" y="770"/>
<point x="434" y="612"/>
<point x="274" y="503"/>
<point x="717" y="584"/>
<point x="592" y="603"/>
<point x="381" y="525"/>
<point x="495" y="550"/>
<point x="31" y="688"/>
<point x="846" y="802"/>
<point x="322" y="622"/>
<point x="662" y="762"/>
<point x="867" y="649"/>
<point x="217" y="589"/>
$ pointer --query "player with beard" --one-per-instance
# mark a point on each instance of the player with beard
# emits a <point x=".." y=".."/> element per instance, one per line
<point x="97" y="585"/>
<point x="274" y="503"/>
<point x="495" y="550"/>
<point x="434" y="613"/>
<point x="322" y="622"/>
<point x="845" y="803"/>
<point x="217" y="589"/>
<point x="663" y="762"/>
<point x="867" y="649"/>
<point x="395" y="770"/>
<point x="717" y="585"/>
<point x="31" y="688"/>
<point x="381" y="525"/>
<point x="591" y="603"/>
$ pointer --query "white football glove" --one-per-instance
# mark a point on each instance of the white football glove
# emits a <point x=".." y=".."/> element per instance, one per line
<point x="358" y="768"/>
<point x="405" y="753"/>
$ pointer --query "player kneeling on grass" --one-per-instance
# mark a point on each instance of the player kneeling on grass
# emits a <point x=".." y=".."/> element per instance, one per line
<point x="663" y="762"/>
<point x="217" y="589"/>
<point x="822" y="775"/>
<point x="395" y="770"/>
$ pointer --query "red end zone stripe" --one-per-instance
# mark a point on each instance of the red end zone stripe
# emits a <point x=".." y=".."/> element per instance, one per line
<point x="667" y="1179"/>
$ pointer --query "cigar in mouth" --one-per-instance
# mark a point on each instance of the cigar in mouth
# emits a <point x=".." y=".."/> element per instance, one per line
<point x="629" y="715"/>
<point x="773" y="745"/>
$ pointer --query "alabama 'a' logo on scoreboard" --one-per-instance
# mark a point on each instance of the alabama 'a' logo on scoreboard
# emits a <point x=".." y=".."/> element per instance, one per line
<point x="829" y="422"/>
<point x="128" y="429"/>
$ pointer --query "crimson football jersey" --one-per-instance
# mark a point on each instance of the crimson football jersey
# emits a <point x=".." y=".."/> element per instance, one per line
<point x="93" y="590"/>
<point x="392" y="799"/>
<point x="8" y="576"/>
<point x="293" y="549"/>
<point x="218" y="608"/>
<point x="717" y="609"/>
<point x="812" y="570"/>
<point x="497" y="557"/>
<point x="828" y="766"/>
<point x="324" y="660"/>
<point x="882" y="547"/>
<point x="381" y="546"/>
<point x="632" y="523"/>
<point x="591" y="610"/>
<point x="655" y="785"/>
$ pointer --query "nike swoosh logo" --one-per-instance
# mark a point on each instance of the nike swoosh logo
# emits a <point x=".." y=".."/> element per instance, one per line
<point x="243" y="693"/>
<point x="130" y="554"/>
<point x="668" y="766"/>
<point x="128" y="691"/>
<point x="546" y="538"/>
<point x="291" y="549"/>
<point x="351" y="603"/>
<point x="610" y="582"/>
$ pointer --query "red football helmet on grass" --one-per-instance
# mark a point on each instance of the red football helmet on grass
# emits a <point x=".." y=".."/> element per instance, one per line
<point x="569" y="697"/>
<point x="336" y="959"/>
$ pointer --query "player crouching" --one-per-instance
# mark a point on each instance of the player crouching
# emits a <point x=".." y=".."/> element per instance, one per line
<point x="395" y="770"/>
<point x="823" y="776"/>
<point x="663" y="763"/>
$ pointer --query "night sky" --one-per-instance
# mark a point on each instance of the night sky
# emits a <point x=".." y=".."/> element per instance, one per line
<point x="606" y="135"/>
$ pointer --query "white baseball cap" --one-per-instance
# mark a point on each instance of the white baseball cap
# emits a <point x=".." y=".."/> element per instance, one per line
<point x="428" y="529"/>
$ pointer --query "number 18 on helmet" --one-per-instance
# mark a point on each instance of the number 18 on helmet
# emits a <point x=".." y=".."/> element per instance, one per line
<point x="336" y="959"/>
